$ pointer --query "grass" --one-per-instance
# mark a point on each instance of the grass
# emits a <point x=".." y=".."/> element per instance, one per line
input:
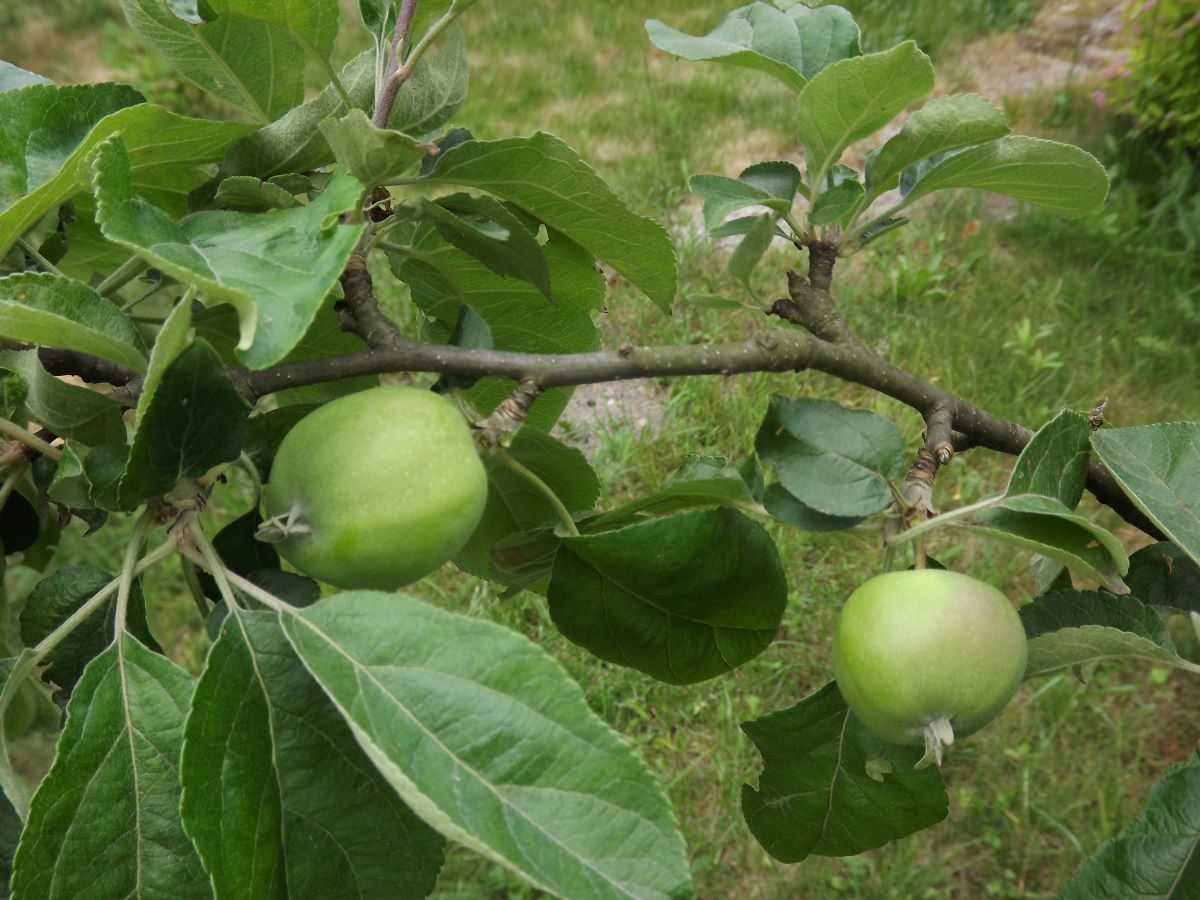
<point x="1023" y="314"/>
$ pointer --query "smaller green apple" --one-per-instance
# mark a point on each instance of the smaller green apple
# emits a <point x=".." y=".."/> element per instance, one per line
<point x="922" y="656"/>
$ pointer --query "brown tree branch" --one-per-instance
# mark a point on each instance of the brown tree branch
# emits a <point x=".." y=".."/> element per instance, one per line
<point x="773" y="350"/>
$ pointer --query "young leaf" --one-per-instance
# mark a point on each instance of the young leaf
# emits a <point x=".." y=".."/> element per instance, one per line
<point x="752" y="247"/>
<point x="835" y="460"/>
<point x="835" y="202"/>
<point x="487" y="739"/>
<point x="274" y="267"/>
<point x="723" y="196"/>
<point x="791" y="45"/>
<point x="1158" y="466"/>
<point x="105" y="821"/>
<point x="830" y="787"/>
<point x="942" y="124"/>
<point x="1163" y="575"/>
<point x="683" y="598"/>
<point x="854" y="98"/>
<point x="1069" y="628"/>
<point x="294" y="143"/>
<point x="51" y="311"/>
<point x="778" y="179"/>
<point x="1055" y="462"/>
<point x="245" y="192"/>
<point x="251" y="55"/>
<point x="1158" y="855"/>
<point x="161" y="144"/>
<point x="515" y="506"/>
<point x="372" y="155"/>
<point x="55" y="598"/>
<point x="322" y="821"/>
<point x="547" y="179"/>
<point x="1060" y="177"/>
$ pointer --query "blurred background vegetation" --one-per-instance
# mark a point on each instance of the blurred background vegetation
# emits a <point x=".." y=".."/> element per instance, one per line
<point x="1008" y="306"/>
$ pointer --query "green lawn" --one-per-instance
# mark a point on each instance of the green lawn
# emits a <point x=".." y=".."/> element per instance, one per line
<point x="1022" y="314"/>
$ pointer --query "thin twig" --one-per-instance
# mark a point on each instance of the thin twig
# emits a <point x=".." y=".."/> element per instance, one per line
<point x="128" y="564"/>
<point x="210" y="560"/>
<point x="37" y="257"/>
<point x="17" y="433"/>
<point x="125" y="273"/>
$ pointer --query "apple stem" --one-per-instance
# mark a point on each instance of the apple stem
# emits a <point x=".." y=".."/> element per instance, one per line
<point x="939" y="734"/>
<point x="280" y="528"/>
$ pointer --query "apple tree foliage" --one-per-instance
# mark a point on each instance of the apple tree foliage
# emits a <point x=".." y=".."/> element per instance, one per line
<point x="213" y="274"/>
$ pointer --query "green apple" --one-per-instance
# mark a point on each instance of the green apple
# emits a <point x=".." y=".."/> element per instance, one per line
<point x="376" y="489"/>
<point x="922" y="656"/>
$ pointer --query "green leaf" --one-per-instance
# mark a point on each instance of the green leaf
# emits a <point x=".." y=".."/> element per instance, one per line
<point x="43" y="124"/>
<point x="773" y="185"/>
<point x="275" y="268"/>
<point x="55" y="598"/>
<point x="294" y="143"/>
<point x="487" y="739"/>
<point x="1069" y="628"/>
<point x="752" y="248"/>
<point x="1158" y="466"/>
<point x="700" y="481"/>
<point x="11" y="78"/>
<point x="192" y="421"/>
<point x="323" y="822"/>
<point x="1156" y="856"/>
<point x="10" y="834"/>
<point x="373" y="155"/>
<point x="67" y="410"/>
<point x="1055" y="462"/>
<point x="249" y="193"/>
<point x="787" y="509"/>
<point x="942" y="124"/>
<point x="251" y="54"/>
<point x="830" y="787"/>
<point x="51" y="311"/>
<point x="834" y="460"/>
<point x="105" y="821"/>
<point x="436" y="89"/>
<point x="854" y="98"/>
<point x="1046" y="526"/>
<point x="836" y="201"/>
<point x="1060" y="177"/>
<point x="1163" y="575"/>
<point x="547" y="179"/>
<point x="776" y="178"/>
<point x="442" y="278"/>
<point x="161" y="146"/>
<point x="492" y="233"/>
<point x="514" y="505"/>
<point x="791" y="45"/>
<point x="684" y="598"/>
